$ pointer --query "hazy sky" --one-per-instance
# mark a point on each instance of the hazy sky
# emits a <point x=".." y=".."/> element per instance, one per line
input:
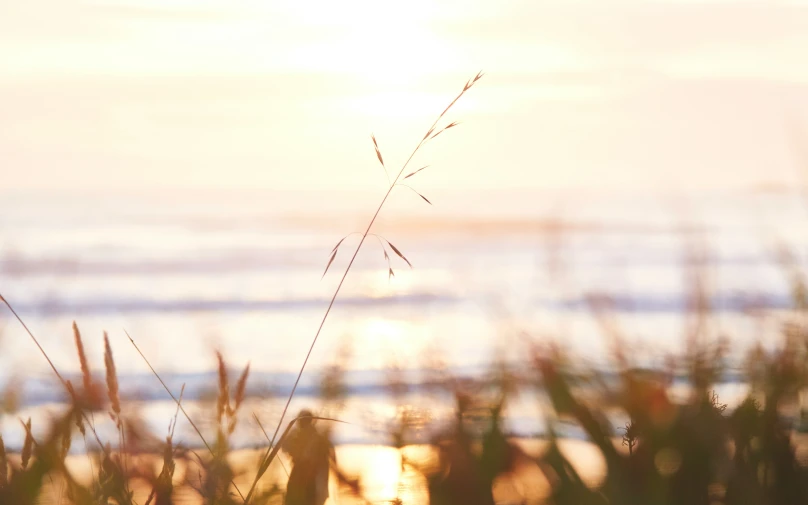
<point x="277" y="94"/>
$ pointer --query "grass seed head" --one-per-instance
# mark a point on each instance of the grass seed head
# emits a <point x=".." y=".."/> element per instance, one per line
<point x="112" y="378"/>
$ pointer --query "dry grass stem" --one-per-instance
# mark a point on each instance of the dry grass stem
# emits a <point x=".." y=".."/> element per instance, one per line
<point x="393" y="184"/>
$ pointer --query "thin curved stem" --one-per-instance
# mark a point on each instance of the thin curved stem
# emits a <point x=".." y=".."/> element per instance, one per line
<point x="267" y="456"/>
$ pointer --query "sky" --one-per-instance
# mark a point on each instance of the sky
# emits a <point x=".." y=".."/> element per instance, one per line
<point x="284" y="94"/>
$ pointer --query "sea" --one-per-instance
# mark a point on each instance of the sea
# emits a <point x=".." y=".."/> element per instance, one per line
<point x="488" y="274"/>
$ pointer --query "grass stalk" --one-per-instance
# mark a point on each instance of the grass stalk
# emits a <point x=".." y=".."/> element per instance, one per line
<point x="428" y="136"/>
<point x="266" y="435"/>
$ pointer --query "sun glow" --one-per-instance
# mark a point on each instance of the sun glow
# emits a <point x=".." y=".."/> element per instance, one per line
<point x="385" y="330"/>
<point x="392" y="48"/>
<point x="389" y="55"/>
<point x="378" y="337"/>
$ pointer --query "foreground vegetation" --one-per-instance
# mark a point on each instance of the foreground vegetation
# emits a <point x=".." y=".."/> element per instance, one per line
<point x="670" y="453"/>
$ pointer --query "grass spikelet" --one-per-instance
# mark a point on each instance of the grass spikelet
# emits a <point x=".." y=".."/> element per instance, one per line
<point x="223" y="403"/>
<point x="376" y="146"/>
<point x="241" y="387"/>
<point x="331" y="260"/>
<point x="28" y="445"/>
<point x="414" y="191"/>
<point x="333" y="253"/>
<point x="379" y="156"/>
<point x="115" y="405"/>
<point x="450" y="125"/>
<point x="86" y="377"/>
<point x="395" y="250"/>
<point x="338" y="244"/>
<point x="3" y="464"/>
<point x="112" y="378"/>
<point x="415" y="172"/>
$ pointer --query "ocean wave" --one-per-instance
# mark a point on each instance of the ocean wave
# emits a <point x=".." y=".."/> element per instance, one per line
<point x="60" y="307"/>
<point x="679" y="303"/>
<point x="738" y="302"/>
<point x="39" y="390"/>
<point x="229" y="263"/>
<point x="269" y="260"/>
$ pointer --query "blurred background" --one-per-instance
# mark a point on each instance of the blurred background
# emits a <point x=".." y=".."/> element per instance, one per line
<point x="182" y="169"/>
